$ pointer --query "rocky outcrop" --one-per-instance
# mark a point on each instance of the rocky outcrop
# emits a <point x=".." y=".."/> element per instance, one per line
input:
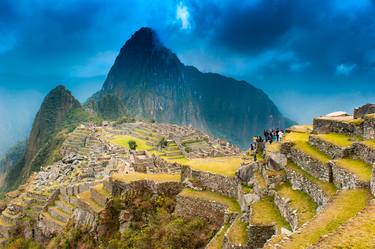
<point x="361" y="111"/>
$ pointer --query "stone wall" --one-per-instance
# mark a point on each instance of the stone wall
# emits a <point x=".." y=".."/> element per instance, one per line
<point x="258" y="235"/>
<point x="225" y="185"/>
<point x="300" y="182"/>
<point x="323" y="125"/>
<point x="210" y="211"/>
<point x="314" y="167"/>
<point x="361" y="111"/>
<point x="344" y="179"/>
<point x="369" y="127"/>
<point x="245" y="199"/>
<point x="330" y="149"/>
<point x="372" y="183"/>
<point x="287" y="211"/>
<point x="364" y="153"/>
<point x="78" y="188"/>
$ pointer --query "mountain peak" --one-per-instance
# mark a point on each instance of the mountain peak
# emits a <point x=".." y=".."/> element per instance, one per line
<point x="145" y="38"/>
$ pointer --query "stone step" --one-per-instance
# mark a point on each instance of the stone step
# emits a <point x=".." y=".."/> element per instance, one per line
<point x="318" y="190"/>
<point x="64" y="206"/>
<point x="10" y="218"/>
<point x="99" y="194"/>
<point x="58" y="214"/>
<point x="52" y="221"/>
<point x="37" y="196"/>
<point x="69" y="199"/>
<point x="341" y="208"/>
<point x="351" y="173"/>
<point x="86" y="202"/>
<point x="332" y="144"/>
<point x="294" y="205"/>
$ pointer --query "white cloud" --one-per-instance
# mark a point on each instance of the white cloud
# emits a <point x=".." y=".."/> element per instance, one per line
<point x="345" y="69"/>
<point x="182" y="14"/>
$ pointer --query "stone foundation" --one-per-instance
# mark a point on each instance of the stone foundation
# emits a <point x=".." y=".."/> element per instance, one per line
<point x="369" y="127"/>
<point x="344" y="179"/>
<point x="258" y="235"/>
<point x="325" y="125"/>
<point x="287" y="211"/>
<point x="210" y="211"/>
<point x="310" y="165"/>
<point x="330" y="149"/>
<point x="302" y="183"/>
<point x="225" y="185"/>
<point x="364" y="152"/>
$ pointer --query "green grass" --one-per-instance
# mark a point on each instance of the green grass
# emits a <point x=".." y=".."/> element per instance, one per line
<point x="246" y="189"/>
<point x="231" y="203"/>
<point x="238" y="232"/>
<point x="296" y="137"/>
<point x="328" y="188"/>
<point x="152" y="177"/>
<point x="305" y="206"/>
<point x="219" y="165"/>
<point x="312" y="151"/>
<point x="218" y="240"/>
<point x="357" y="121"/>
<point x="370" y="143"/>
<point x="260" y="180"/>
<point x="345" y="205"/>
<point x="357" y="233"/>
<point x="265" y="212"/>
<point x="357" y="167"/>
<point x="339" y="140"/>
<point x="122" y="140"/>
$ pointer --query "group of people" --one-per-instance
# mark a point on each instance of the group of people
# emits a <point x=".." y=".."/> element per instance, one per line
<point x="273" y="135"/>
<point x="270" y="136"/>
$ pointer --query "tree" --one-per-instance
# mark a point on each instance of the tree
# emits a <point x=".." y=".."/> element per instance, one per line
<point x="163" y="143"/>
<point x="132" y="144"/>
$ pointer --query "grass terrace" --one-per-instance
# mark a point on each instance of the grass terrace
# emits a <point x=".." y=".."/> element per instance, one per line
<point x="305" y="206"/>
<point x="86" y="197"/>
<point x="218" y="240"/>
<point x="357" y="233"/>
<point x="219" y="165"/>
<point x="301" y="128"/>
<point x="301" y="141"/>
<point x="231" y="203"/>
<point x="357" y="167"/>
<point x="246" y="188"/>
<point x="238" y="232"/>
<point x="101" y="190"/>
<point x="357" y="121"/>
<point x="265" y="212"/>
<point x="370" y="143"/>
<point x="260" y="180"/>
<point x="344" y="206"/>
<point x="339" y="140"/>
<point x="123" y="140"/>
<point x="141" y="176"/>
<point x="327" y="187"/>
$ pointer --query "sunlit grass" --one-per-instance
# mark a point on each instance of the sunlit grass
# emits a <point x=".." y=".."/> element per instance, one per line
<point x="265" y="212"/>
<point x="344" y="206"/>
<point x="123" y="140"/>
<point x="357" y="233"/>
<point x="218" y="165"/>
<point x="305" y="206"/>
<point x="238" y="232"/>
<point x="357" y="167"/>
<point x="370" y="143"/>
<point x="231" y="203"/>
<point x="340" y="140"/>
<point x="217" y="242"/>
<point x="152" y="177"/>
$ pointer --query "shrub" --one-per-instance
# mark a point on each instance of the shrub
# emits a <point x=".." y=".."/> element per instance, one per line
<point x="132" y="144"/>
<point x="163" y="143"/>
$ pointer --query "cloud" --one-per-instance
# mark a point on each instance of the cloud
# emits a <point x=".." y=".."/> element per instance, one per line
<point x="182" y="14"/>
<point x="345" y="69"/>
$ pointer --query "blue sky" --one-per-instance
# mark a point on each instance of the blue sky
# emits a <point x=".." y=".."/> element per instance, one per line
<point x="311" y="56"/>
